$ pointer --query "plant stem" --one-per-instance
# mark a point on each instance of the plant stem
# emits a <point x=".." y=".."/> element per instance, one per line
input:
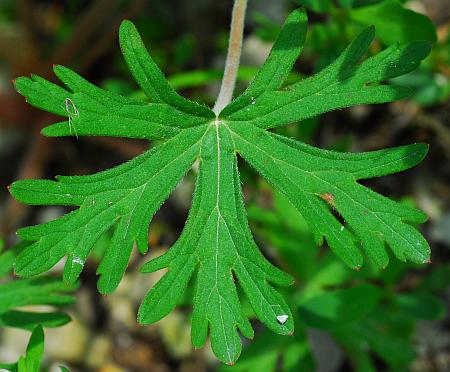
<point x="233" y="56"/>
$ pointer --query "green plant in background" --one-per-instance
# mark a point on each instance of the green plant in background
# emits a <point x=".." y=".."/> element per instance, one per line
<point x="394" y="23"/>
<point x="32" y="360"/>
<point x="34" y="354"/>
<point x="217" y="243"/>
<point x="18" y="293"/>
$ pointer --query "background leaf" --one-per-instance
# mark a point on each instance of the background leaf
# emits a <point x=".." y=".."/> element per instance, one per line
<point x="336" y="309"/>
<point x="394" y="23"/>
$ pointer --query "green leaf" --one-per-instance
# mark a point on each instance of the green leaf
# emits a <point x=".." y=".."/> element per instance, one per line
<point x="94" y="111"/>
<point x="216" y="246"/>
<point x="126" y="196"/>
<point x="318" y="181"/>
<point x="338" y="308"/>
<point x="35" y="352"/>
<point x="395" y="23"/>
<point x="7" y="258"/>
<point x="218" y="241"/>
<point x="27" y="320"/>
<point x="283" y="228"/>
<point x="421" y="305"/>
<point x="149" y="76"/>
<point x="278" y="65"/>
<point x="364" y="339"/>
<point x="342" y="84"/>
<point x="9" y="367"/>
<point x="437" y="280"/>
<point x="35" y="291"/>
<point x="268" y="351"/>
<point x="394" y="348"/>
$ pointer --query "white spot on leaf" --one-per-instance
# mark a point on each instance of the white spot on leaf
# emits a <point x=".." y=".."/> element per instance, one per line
<point x="282" y="318"/>
<point x="78" y="261"/>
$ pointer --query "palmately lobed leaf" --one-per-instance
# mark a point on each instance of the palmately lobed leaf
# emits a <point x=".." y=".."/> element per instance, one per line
<point x="216" y="246"/>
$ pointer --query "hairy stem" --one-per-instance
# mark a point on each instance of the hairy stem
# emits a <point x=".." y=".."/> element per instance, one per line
<point x="233" y="56"/>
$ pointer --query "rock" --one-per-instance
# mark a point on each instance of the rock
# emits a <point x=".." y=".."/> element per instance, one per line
<point x="99" y="353"/>
<point x="176" y="334"/>
<point x="67" y="343"/>
<point x="13" y="344"/>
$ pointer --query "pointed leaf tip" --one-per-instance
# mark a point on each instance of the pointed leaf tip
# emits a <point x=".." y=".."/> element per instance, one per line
<point x="57" y="67"/>
<point x="299" y="12"/>
<point x="126" y="23"/>
<point x="423" y="149"/>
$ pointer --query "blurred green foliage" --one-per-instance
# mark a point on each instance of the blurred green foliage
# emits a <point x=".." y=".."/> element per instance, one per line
<point x="15" y="294"/>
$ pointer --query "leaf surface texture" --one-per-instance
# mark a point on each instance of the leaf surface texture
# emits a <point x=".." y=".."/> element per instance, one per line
<point x="216" y="246"/>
